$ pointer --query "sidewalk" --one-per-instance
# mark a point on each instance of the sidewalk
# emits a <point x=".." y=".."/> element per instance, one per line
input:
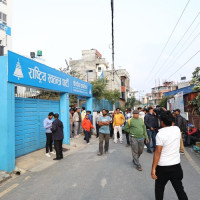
<point x="38" y="161"/>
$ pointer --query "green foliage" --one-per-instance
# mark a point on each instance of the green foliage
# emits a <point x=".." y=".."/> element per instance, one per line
<point x="163" y="101"/>
<point x="196" y="82"/>
<point x="112" y="96"/>
<point x="131" y="102"/>
<point x="196" y="79"/>
<point x="100" y="91"/>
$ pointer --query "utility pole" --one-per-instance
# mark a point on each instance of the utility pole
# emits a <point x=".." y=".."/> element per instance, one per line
<point x="113" y="47"/>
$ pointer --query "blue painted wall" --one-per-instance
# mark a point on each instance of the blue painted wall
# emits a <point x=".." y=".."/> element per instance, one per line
<point x="30" y="134"/>
<point x="64" y="116"/>
<point x="7" y="122"/>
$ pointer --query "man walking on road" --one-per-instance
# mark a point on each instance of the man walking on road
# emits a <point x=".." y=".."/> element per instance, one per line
<point x="48" y="125"/>
<point x="118" y="121"/>
<point x="137" y="130"/>
<point x="58" y="136"/>
<point x="104" y="132"/>
<point x="150" y="123"/>
<point x="166" y="163"/>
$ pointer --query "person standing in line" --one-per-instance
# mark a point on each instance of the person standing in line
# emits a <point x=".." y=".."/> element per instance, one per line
<point x="47" y="123"/>
<point x="141" y="113"/>
<point x="179" y="121"/>
<point x="71" y="113"/>
<point x="97" y="123"/>
<point x="87" y="125"/>
<point x="77" y="122"/>
<point x="58" y="136"/>
<point x="136" y="127"/>
<point x="127" y="117"/>
<point x="166" y="163"/>
<point x="104" y="132"/>
<point x="83" y="113"/>
<point x="150" y="123"/>
<point x="111" y="124"/>
<point x="119" y="120"/>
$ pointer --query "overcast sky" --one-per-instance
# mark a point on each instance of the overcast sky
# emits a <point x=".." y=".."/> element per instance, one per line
<point x="63" y="28"/>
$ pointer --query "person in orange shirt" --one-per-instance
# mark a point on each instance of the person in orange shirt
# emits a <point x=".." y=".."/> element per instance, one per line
<point x="87" y="125"/>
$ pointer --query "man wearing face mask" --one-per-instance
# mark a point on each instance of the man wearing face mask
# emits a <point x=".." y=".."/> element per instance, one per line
<point x="150" y="123"/>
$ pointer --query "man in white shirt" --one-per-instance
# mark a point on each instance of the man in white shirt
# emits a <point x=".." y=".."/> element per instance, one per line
<point x="166" y="164"/>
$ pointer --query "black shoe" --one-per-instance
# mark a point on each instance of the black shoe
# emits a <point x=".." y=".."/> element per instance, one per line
<point x="57" y="159"/>
<point x="149" y="151"/>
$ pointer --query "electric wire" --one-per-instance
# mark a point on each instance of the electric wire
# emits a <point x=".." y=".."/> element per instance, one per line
<point x="162" y="66"/>
<point x="168" y="39"/>
<point x="184" y="64"/>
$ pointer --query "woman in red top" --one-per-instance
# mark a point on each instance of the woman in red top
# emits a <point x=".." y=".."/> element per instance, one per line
<point x="87" y="125"/>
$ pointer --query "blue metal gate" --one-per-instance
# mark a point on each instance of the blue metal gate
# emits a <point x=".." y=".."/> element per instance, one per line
<point x="29" y="115"/>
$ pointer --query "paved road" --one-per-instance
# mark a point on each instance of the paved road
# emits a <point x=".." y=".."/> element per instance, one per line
<point x="85" y="176"/>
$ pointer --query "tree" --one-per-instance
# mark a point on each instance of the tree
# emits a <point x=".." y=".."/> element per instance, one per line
<point x="112" y="96"/>
<point x="99" y="88"/>
<point x="163" y="101"/>
<point x="196" y="82"/>
<point x="100" y="91"/>
<point x="131" y="102"/>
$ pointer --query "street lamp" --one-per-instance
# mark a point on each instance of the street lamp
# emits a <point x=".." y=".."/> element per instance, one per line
<point x="88" y="74"/>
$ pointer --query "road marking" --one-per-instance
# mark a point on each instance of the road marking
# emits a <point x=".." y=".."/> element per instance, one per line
<point x="192" y="162"/>
<point x="8" y="190"/>
<point x="103" y="182"/>
<point x="27" y="178"/>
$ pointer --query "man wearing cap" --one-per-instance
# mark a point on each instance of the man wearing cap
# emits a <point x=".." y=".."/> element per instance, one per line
<point x="138" y="133"/>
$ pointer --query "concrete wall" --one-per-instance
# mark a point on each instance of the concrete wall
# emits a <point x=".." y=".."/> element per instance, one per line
<point x="6" y="39"/>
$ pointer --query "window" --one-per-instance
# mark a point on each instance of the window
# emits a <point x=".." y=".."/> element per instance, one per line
<point x="123" y="95"/>
<point x="122" y="82"/>
<point x="3" y="18"/>
<point x="99" y="69"/>
<point x="4" y="1"/>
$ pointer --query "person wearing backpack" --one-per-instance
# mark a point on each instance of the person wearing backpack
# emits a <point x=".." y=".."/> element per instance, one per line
<point x="182" y="124"/>
<point x="138" y="133"/>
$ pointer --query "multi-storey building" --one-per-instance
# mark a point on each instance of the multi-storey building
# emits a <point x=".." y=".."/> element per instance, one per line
<point x="90" y="67"/>
<point x="121" y="82"/>
<point x="158" y="91"/>
<point x="5" y="26"/>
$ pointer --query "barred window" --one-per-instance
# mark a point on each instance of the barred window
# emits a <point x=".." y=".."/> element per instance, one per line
<point x="3" y="18"/>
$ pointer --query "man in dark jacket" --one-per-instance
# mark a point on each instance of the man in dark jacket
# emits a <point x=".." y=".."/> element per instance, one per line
<point x="181" y="123"/>
<point x="150" y="123"/>
<point x="57" y="130"/>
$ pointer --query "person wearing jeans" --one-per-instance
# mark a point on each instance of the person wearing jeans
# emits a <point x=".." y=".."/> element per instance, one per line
<point x="166" y="163"/>
<point x="104" y="132"/>
<point x="150" y="123"/>
<point x="87" y="125"/>
<point x="118" y="121"/>
<point x="49" y="141"/>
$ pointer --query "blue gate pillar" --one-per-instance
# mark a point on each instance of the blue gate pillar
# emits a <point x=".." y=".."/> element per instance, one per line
<point x="7" y="122"/>
<point x="64" y="116"/>
<point x="89" y="104"/>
